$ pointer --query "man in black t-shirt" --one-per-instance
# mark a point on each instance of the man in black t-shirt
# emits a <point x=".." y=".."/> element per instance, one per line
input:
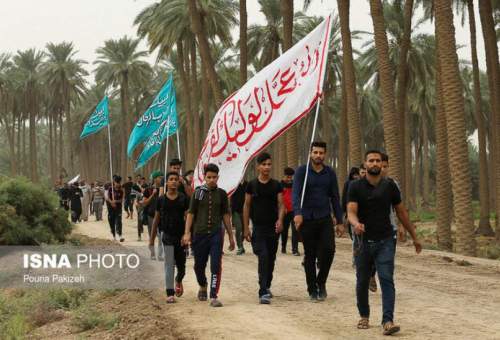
<point x="128" y="204"/>
<point x="264" y="206"/>
<point x="169" y="219"/>
<point x="370" y="201"/>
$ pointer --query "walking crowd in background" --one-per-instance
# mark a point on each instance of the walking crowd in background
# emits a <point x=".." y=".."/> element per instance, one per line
<point x="262" y="211"/>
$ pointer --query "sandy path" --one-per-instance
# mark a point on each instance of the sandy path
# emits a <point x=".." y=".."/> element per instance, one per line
<point x="435" y="299"/>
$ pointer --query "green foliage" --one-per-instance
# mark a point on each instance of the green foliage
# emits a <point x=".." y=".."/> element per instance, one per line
<point x="30" y="214"/>
<point x="66" y="298"/>
<point x="15" y="328"/>
<point x="88" y="318"/>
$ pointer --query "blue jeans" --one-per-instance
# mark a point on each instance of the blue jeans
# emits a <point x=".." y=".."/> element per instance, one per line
<point x="205" y="246"/>
<point x="381" y="254"/>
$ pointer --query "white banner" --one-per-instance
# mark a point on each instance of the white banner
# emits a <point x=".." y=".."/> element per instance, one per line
<point x="271" y="102"/>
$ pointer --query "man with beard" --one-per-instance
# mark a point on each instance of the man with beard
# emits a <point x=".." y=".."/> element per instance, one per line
<point x="313" y="218"/>
<point x="114" y="200"/>
<point x="369" y="206"/>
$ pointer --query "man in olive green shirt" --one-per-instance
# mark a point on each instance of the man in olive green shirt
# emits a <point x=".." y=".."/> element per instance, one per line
<point x="208" y="209"/>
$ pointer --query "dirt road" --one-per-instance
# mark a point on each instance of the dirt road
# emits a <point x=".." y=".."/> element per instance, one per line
<point x="438" y="296"/>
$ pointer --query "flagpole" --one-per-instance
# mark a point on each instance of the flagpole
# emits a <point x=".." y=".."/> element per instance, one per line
<point x="166" y="157"/>
<point x="178" y="148"/>
<point x="110" y="164"/>
<point x="309" y="158"/>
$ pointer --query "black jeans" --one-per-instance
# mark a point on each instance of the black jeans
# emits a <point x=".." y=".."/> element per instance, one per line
<point x="381" y="254"/>
<point x="115" y="220"/>
<point x="319" y="244"/>
<point x="288" y="223"/>
<point x="265" y="246"/>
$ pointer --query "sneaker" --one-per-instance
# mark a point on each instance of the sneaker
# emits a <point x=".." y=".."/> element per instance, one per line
<point x="265" y="299"/>
<point x="121" y="238"/>
<point x="373" y="284"/>
<point x="240" y="251"/>
<point x="170" y="299"/>
<point x="269" y="293"/>
<point x="322" y="294"/>
<point x="296" y="253"/>
<point x="215" y="303"/>
<point x="313" y="297"/>
<point x="179" y="289"/>
<point x="202" y="294"/>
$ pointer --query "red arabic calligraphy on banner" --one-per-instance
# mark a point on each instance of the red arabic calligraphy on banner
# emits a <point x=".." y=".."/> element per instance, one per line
<point x="267" y="99"/>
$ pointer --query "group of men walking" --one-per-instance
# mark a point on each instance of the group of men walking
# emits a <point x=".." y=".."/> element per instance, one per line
<point x="264" y="209"/>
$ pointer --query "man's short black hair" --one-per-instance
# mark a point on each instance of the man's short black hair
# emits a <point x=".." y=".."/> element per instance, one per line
<point x="385" y="157"/>
<point x="171" y="173"/>
<point x="189" y="172"/>
<point x="318" y="144"/>
<point x="264" y="156"/>
<point x="117" y="178"/>
<point x="362" y="166"/>
<point x="211" y="167"/>
<point x="373" y="151"/>
<point x="175" y="161"/>
<point x="129" y="177"/>
<point x="288" y="171"/>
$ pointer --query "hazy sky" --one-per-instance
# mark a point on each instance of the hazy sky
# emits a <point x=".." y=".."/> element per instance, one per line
<point x="88" y="23"/>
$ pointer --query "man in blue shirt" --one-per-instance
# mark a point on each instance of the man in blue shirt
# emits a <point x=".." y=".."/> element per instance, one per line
<point x="314" y="219"/>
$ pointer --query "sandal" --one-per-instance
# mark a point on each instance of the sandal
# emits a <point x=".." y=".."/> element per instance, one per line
<point x="390" y="328"/>
<point x="202" y="294"/>
<point x="170" y="299"/>
<point x="363" y="323"/>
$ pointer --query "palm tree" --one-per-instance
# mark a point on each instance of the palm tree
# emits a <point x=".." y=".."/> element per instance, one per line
<point x="453" y="102"/>
<point x="350" y="86"/>
<point x="65" y="76"/>
<point x="243" y="42"/>
<point x="443" y="182"/>
<point x="198" y="28"/>
<point x="401" y="101"/>
<point x="493" y="67"/>
<point x="29" y="64"/>
<point x="391" y="119"/>
<point x="7" y="99"/>
<point x="484" y="221"/>
<point x="119" y="64"/>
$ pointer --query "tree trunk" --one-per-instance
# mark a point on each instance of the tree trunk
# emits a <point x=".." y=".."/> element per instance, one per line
<point x="69" y="123"/>
<point x="190" y="118"/>
<point x="243" y="42"/>
<point x="206" y="57"/>
<point x="196" y="106"/>
<point x="19" y="148"/>
<point x="181" y="56"/>
<point x="391" y="118"/>
<point x="402" y="87"/>
<point x="291" y="135"/>
<point x="61" y="145"/>
<point x="31" y="99"/>
<point x="205" y="87"/>
<point x="453" y="101"/>
<point x="493" y="70"/>
<point x="342" y="133"/>
<point x="425" y="163"/>
<point x="443" y="185"/>
<point x="51" y="149"/>
<point x="350" y="85"/>
<point x="125" y="167"/>
<point x="484" y="199"/>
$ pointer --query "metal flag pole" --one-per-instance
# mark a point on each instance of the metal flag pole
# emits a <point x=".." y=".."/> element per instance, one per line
<point x="316" y="117"/>
<point x="110" y="163"/>
<point x="166" y="158"/>
<point x="309" y="158"/>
